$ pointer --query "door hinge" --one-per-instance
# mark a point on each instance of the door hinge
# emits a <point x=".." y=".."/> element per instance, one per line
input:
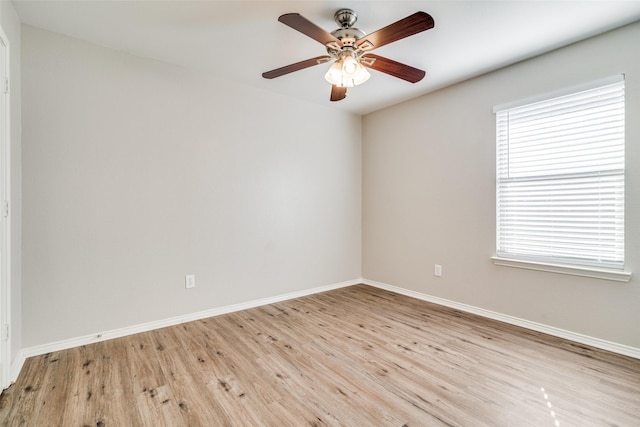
<point x="5" y="332"/>
<point x="6" y="85"/>
<point x="5" y="209"/>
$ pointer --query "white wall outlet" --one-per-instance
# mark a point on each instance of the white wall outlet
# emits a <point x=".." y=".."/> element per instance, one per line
<point x="190" y="281"/>
<point x="437" y="271"/>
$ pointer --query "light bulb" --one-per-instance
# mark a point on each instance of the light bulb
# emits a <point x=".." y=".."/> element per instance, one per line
<point x="350" y="66"/>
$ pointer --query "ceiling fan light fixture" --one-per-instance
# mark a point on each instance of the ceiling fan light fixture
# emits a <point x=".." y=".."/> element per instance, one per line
<point x="347" y="72"/>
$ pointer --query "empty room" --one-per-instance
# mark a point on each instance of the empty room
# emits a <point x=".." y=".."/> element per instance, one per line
<point x="288" y="213"/>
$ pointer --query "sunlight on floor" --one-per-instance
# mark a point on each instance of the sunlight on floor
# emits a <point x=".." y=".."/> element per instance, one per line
<point x="553" y="413"/>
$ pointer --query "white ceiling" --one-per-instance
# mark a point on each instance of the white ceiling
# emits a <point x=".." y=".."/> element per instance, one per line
<point x="238" y="40"/>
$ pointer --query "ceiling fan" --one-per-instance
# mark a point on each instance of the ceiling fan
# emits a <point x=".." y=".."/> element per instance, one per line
<point x="349" y="48"/>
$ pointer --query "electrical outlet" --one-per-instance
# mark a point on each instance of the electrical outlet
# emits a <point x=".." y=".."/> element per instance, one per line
<point x="437" y="271"/>
<point x="190" y="281"/>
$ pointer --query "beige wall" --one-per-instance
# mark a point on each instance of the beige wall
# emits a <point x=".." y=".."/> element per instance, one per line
<point x="137" y="173"/>
<point x="429" y="195"/>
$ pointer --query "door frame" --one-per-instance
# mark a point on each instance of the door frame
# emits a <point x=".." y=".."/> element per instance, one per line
<point x="5" y="218"/>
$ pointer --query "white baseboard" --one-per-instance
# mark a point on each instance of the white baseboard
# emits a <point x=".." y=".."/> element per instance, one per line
<point x="25" y="353"/>
<point x="539" y="327"/>
<point x="38" y="350"/>
<point x="16" y="366"/>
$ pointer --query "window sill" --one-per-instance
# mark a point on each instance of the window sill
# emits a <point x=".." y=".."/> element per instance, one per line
<point x="614" y="275"/>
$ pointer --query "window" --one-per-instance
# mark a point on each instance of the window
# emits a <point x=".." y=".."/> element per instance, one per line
<point x="560" y="179"/>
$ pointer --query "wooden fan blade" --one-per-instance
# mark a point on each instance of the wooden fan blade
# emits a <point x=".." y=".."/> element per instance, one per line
<point x="393" y="68"/>
<point x="413" y="24"/>
<point x="338" y="93"/>
<point x="308" y="28"/>
<point x="296" y="67"/>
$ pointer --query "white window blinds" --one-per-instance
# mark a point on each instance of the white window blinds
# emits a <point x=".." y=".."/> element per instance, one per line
<point x="560" y="179"/>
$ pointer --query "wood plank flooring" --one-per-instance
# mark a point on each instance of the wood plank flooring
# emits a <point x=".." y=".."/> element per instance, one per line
<point x="357" y="356"/>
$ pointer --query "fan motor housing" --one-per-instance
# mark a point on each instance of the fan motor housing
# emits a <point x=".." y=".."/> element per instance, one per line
<point x="348" y="36"/>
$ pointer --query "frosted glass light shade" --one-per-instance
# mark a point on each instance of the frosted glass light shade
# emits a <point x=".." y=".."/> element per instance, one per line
<point x="334" y="75"/>
<point x="347" y="72"/>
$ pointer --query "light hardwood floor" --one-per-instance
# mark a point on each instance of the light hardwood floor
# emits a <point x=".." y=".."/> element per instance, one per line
<point x="357" y="356"/>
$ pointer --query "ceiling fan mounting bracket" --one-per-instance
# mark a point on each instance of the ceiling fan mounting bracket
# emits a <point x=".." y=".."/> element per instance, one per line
<point x="345" y="18"/>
